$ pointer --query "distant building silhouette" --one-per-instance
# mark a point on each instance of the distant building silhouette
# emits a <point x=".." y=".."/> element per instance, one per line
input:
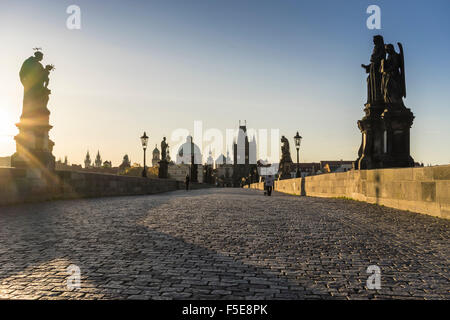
<point x="189" y="153"/>
<point x="188" y="162"/>
<point x="156" y="156"/>
<point x="107" y="164"/>
<point x="210" y="160"/>
<point x="224" y="171"/>
<point x="221" y="160"/>
<point x="98" y="160"/>
<point x="337" y="166"/>
<point x="244" y="157"/>
<point x="60" y="165"/>
<point x="228" y="158"/>
<point x="87" y="161"/>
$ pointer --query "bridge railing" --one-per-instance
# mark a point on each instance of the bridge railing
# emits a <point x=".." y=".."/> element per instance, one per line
<point x="26" y="185"/>
<point x="422" y="189"/>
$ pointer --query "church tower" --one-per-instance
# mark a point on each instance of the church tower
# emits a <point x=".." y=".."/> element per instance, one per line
<point x="87" y="161"/>
<point x="252" y="151"/>
<point x="244" y="157"/>
<point x="241" y="146"/>
<point x="98" y="160"/>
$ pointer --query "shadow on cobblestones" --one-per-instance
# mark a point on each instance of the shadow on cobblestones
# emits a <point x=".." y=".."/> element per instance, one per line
<point x="117" y="257"/>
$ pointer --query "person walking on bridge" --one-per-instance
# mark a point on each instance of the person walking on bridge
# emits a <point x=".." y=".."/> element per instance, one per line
<point x="187" y="182"/>
<point x="268" y="183"/>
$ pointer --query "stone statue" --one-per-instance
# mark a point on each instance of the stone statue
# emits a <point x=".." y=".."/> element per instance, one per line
<point x="393" y="77"/>
<point x="33" y="145"/>
<point x="286" y="160"/>
<point x="164" y="147"/>
<point x="35" y="80"/>
<point x="285" y="152"/>
<point x="374" y="93"/>
<point x="385" y="128"/>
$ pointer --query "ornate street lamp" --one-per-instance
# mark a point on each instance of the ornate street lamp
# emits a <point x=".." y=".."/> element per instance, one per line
<point x="144" y="141"/>
<point x="298" y="140"/>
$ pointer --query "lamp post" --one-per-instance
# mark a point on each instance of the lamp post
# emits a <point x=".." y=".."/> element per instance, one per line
<point x="298" y="140"/>
<point x="144" y="141"/>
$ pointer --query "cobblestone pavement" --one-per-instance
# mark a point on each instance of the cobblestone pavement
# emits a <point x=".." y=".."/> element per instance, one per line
<point x="221" y="244"/>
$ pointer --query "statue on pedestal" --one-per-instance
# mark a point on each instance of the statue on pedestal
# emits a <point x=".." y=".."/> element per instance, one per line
<point x="163" y="171"/>
<point x="33" y="146"/>
<point x="286" y="160"/>
<point x="285" y="151"/>
<point x="385" y="128"/>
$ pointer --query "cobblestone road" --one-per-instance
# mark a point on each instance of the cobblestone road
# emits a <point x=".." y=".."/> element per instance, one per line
<point x="221" y="244"/>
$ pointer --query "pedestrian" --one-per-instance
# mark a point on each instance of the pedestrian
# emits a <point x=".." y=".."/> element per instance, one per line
<point x="269" y="185"/>
<point x="265" y="185"/>
<point x="187" y="182"/>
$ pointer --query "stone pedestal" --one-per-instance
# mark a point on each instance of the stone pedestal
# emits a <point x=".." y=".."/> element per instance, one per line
<point x="371" y="150"/>
<point x="397" y="125"/>
<point x="163" y="169"/>
<point x="194" y="173"/>
<point x="33" y="145"/>
<point x="385" y="137"/>
<point x="285" y="169"/>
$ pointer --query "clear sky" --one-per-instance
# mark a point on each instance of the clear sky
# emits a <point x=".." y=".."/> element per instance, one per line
<point x="160" y="65"/>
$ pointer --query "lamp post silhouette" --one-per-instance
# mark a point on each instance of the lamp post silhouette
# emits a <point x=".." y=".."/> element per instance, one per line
<point x="144" y="141"/>
<point x="298" y="140"/>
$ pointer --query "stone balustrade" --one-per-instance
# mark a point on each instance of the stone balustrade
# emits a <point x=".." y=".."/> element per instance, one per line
<point x="421" y="189"/>
<point x="27" y="185"/>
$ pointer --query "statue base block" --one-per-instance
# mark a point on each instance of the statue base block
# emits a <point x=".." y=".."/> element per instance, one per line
<point x="371" y="149"/>
<point x="385" y="137"/>
<point x="33" y="146"/>
<point x="398" y="122"/>
<point x="285" y="170"/>
<point x="163" y="171"/>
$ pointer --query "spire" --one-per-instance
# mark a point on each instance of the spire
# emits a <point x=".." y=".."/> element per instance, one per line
<point x="98" y="160"/>
<point x="87" y="160"/>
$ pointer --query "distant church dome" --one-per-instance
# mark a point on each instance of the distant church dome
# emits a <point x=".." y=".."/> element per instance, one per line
<point x="156" y="156"/>
<point x="221" y="160"/>
<point x="156" y="150"/>
<point x="184" y="154"/>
